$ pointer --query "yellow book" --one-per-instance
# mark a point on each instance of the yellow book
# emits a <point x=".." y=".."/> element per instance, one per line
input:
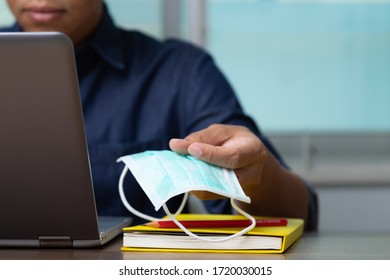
<point x="264" y="239"/>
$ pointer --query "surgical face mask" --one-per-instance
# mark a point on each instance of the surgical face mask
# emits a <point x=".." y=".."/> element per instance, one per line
<point x="165" y="174"/>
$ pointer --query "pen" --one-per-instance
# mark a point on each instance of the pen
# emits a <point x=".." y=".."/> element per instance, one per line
<point x="218" y="223"/>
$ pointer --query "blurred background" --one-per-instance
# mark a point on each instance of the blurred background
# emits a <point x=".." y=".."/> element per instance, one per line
<point x="314" y="74"/>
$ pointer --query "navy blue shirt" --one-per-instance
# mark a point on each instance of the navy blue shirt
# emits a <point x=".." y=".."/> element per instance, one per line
<point x="137" y="93"/>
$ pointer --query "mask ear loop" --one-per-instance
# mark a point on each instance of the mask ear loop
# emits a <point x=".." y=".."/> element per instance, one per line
<point x="173" y="217"/>
<point x="136" y="212"/>
<point x="240" y="233"/>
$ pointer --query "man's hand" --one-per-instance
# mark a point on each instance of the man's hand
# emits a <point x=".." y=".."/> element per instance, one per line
<point x="229" y="146"/>
<point x="274" y="190"/>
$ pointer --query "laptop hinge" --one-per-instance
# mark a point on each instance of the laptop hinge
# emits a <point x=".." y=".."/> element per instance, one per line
<point x="55" y="241"/>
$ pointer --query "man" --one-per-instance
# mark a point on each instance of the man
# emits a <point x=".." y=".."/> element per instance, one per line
<point x="140" y="94"/>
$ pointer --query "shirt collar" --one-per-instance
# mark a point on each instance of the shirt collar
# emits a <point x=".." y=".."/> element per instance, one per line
<point x="106" y="41"/>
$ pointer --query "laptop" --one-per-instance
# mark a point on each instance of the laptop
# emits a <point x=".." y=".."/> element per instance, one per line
<point x="46" y="190"/>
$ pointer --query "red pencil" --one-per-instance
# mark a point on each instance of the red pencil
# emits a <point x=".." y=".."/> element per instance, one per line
<point x="218" y="223"/>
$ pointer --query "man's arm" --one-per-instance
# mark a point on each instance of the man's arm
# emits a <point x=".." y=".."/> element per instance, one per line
<point x="273" y="189"/>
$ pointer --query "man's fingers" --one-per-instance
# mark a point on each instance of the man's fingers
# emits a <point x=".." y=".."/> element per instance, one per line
<point x="217" y="155"/>
<point x="214" y="135"/>
<point x="227" y="146"/>
<point x="179" y="146"/>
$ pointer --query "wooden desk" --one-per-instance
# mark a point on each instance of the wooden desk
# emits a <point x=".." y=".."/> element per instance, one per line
<point x="316" y="246"/>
